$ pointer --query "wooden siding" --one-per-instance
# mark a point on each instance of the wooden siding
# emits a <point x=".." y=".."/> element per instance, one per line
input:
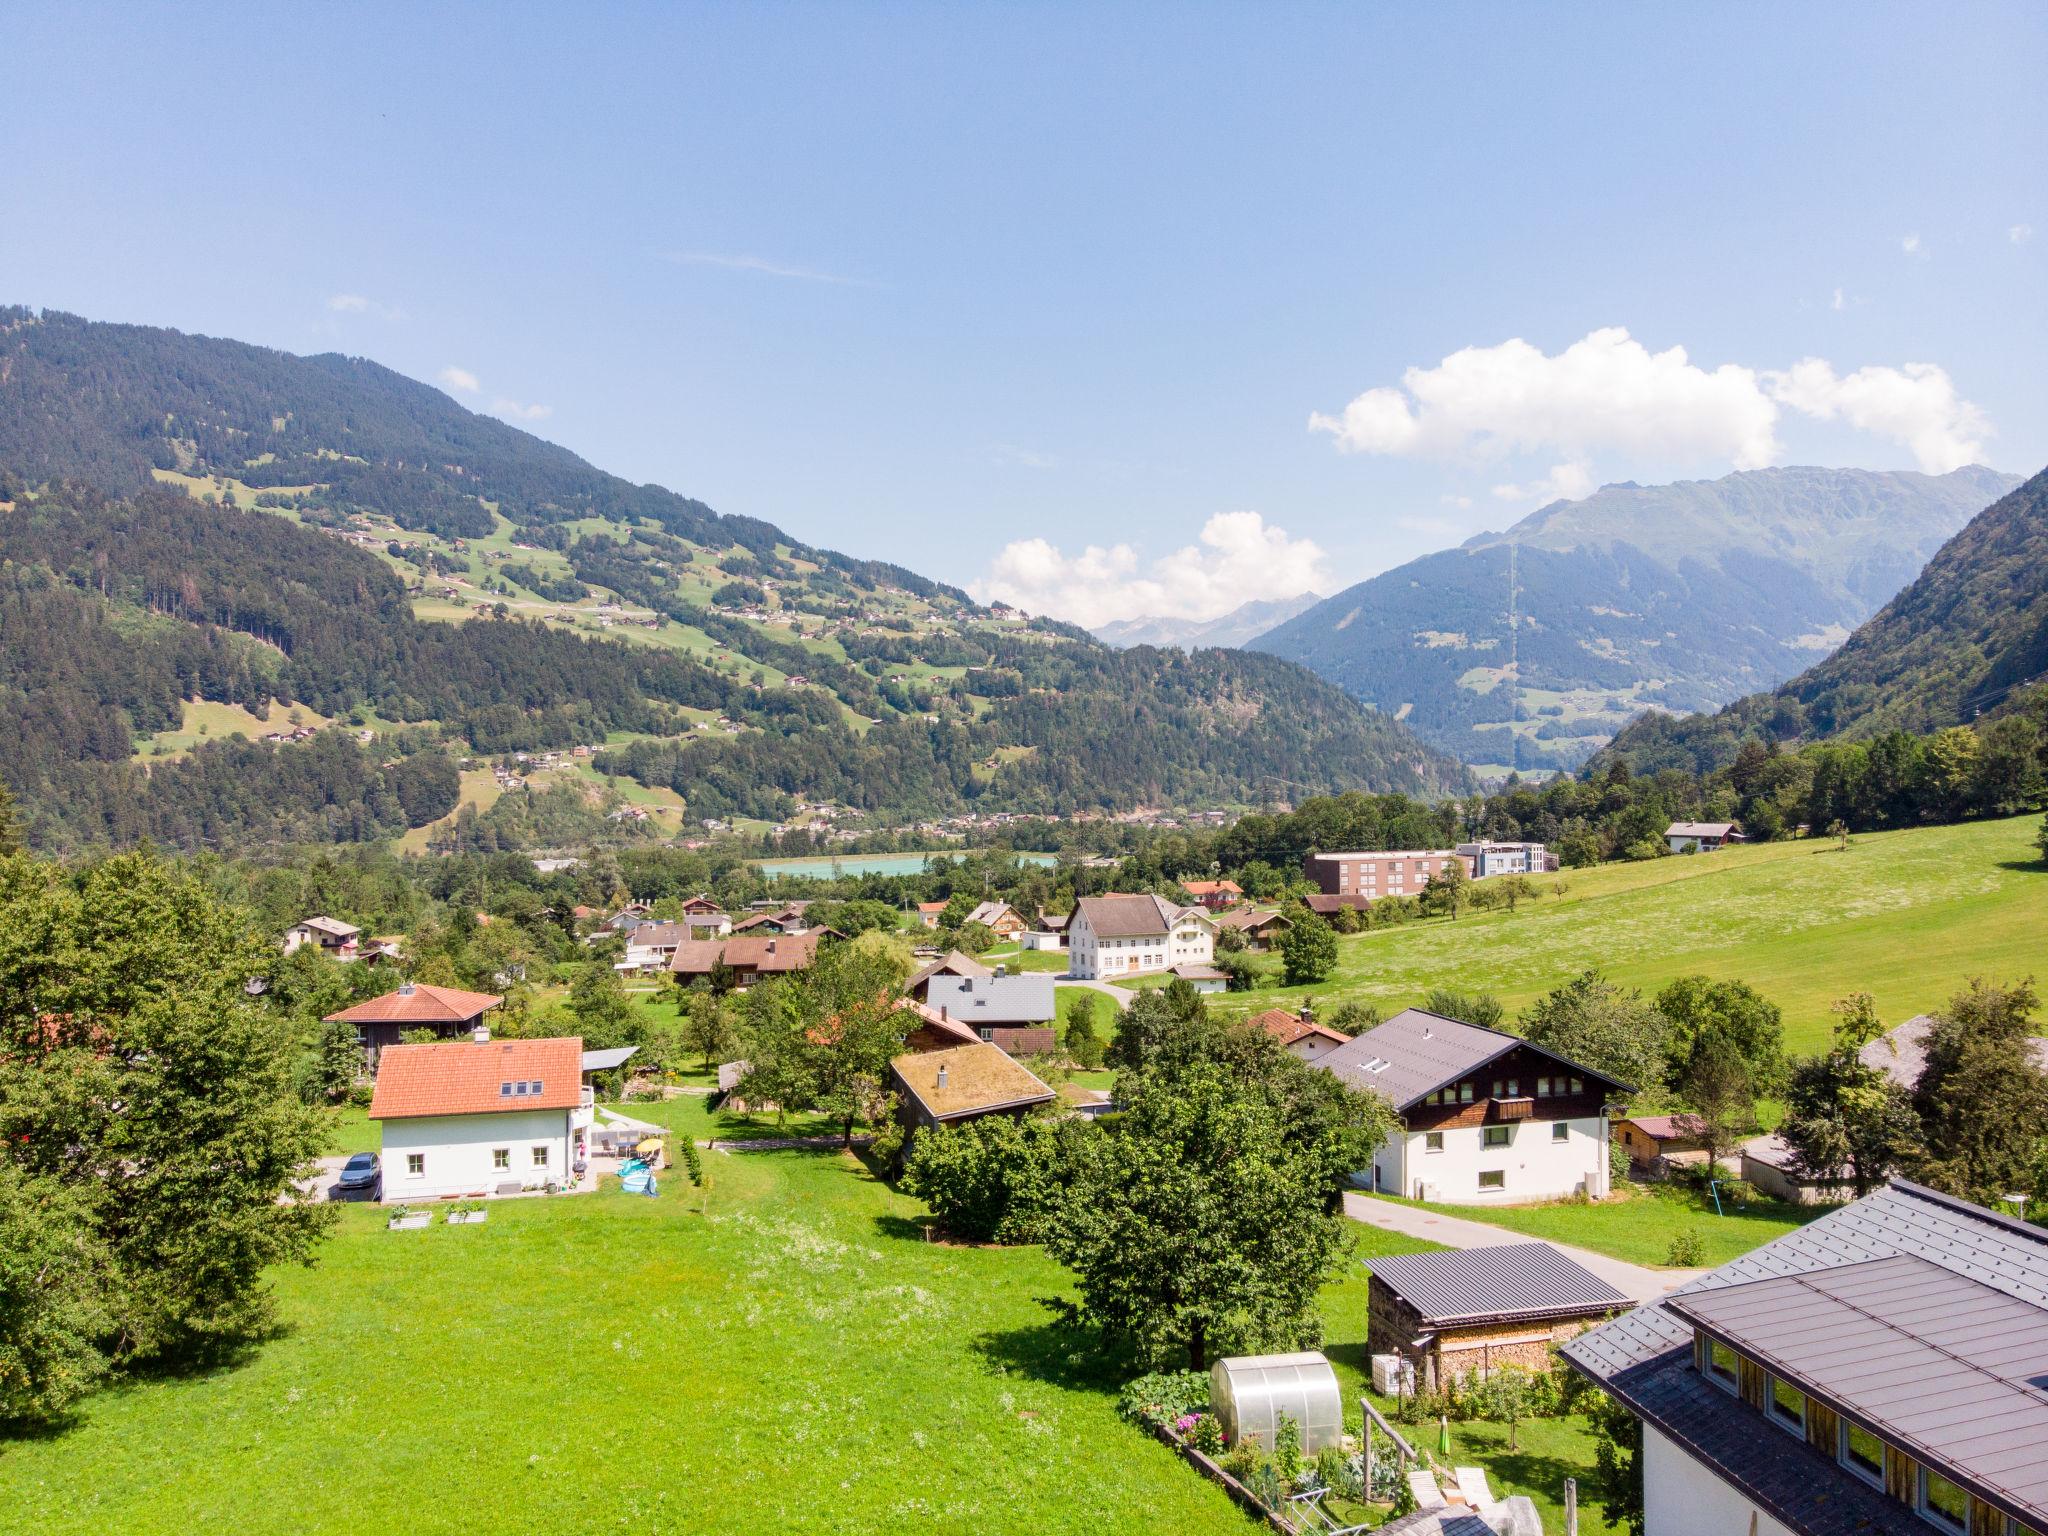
<point x="1901" y="1475"/>
<point x="1754" y="1382"/>
<point x="1823" y="1429"/>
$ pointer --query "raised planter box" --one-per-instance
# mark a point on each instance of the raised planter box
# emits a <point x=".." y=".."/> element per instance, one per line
<point x="465" y="1218"/>
<point x="410" y="1221"/>
<point x="1241" y="1495"/>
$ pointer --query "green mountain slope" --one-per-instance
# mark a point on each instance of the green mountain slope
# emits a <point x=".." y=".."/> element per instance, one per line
<point x="1681" y="596"/>
<point x="1962" y="640"/>
<point x="189" y="519"/>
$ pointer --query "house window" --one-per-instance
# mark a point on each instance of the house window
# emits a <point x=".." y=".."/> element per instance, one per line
<point x="504" y="1090"/>
<point x="1542" y="1087"/>
<point x="1721" y="1364"/>
<point x="988" y="1034"/>
<point x="415" y="1164"/>
<point x="1493" y="1180"/>
<point x="1495" y="1135"/>
<point x="1942" y="1502"/>
<point x="1432" y="1141"/>
<point x="1578" y="1085"/>
<point x="1496" y="1088"/>
<point x="1788" y="1404"/>
<point x="1863" y="1453"/>
<point x="1560" y="1131"/>
<point x="501" y="1157"/>
<point x="540" y="1157"/>
<point x="1464" y="1093"/>
<point x="1514" y="1087"/>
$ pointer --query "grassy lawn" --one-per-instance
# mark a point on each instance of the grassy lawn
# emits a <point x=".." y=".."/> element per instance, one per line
<point x="800" y="1360"/>
<point x="350" y="1129"/>
<point x="1640" y="1225"/>
<point x="1550" y="1449"/>
<point x="1907" y="916"/>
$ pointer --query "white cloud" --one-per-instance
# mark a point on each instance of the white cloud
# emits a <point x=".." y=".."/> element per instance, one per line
<point x="1565" y="482"/>
<point x="503" y="407"/>
<point x="1606" y="391"/>
<point x="1910" y="244"/>
<point x="461" y="380"/>
<point x="765" y="267"/>
<point x="1238" y="559"/>
<point x="360" y="304"/>
<point x="1916" y="405"/>
<point x="1015" y="456"/>
<point x="2020" y="234"/>
<point x="1840" y="303"/>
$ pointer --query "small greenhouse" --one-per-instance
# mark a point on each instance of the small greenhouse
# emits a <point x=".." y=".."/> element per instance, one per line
<point x="1249" y="1393"/>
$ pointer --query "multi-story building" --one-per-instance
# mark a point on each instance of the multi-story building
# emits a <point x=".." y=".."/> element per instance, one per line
<point x="1486" y="859"/>
<point x="1486" y="1117"/>
<point x="1880" y="1369"/>
<point x="1393" y="872"/>
<point x="1111" y="936"/>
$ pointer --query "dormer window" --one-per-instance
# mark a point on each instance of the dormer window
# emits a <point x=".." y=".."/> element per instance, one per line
<point x="1942" y="1502"/>
<point x="1721" y="1365"/>
<point x="1862" y="1453"/>
<point x="1788" y="1405"/>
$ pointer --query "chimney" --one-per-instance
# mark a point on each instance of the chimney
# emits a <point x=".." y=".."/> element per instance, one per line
<point x="406" y="989"/>
<point x="482" y="1033"/>
<point x="771" y="946"/>
<point x="942" y="1077"/>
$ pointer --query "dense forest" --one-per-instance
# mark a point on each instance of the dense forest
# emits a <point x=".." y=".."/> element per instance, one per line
<point x="1962" y="641"/>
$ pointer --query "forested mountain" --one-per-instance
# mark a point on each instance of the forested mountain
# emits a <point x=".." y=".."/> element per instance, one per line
<point x="183" y="519"/>
<point x="1962" y="641"/>
<point x="1239" y="627"/>
<point x="1679" y="596"/>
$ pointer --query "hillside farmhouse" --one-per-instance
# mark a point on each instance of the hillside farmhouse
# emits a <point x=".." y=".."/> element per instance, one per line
<point x="1487" y="1117"/>
<point x="1113" y="936"/>
<point x="1701" y="836"/>
<point x="332" y="936"/>
<point x="448" y="1011"/>
<point x="1879" y="1369"/>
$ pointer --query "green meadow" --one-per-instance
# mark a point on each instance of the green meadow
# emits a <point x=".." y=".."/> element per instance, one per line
<point x="1906" y="916"/>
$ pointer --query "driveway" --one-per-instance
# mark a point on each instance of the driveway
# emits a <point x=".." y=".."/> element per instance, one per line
<point x="321" y="1185"/>
<point x="1119" y="996"/>
<point x="1632" y="1280"/>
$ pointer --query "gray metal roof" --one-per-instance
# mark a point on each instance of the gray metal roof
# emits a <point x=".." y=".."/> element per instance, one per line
<point x="1519" y="1279"/>
<point x="1936" y="1362"/>
<point x="994" y="1000"/>
<point x="1416" y="1052"/>
<point x="604" y="1061"/>
<point x="1903" y="1051"/>
<point x="1645" y="1357"/>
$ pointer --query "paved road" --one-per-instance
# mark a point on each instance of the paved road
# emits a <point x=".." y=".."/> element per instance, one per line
<point x="1119" y="996"/>
<point x="1455" y="1232"/>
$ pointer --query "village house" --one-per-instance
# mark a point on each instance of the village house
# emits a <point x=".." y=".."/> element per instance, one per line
<point x="467" y="1119"/>
<point x="1486" y="1117"/>
<point x="651" y="946"/>
<point x="1302" y="1035"/>
<point x="448" y="1011"/>
<point x="1878" y="1369"/>
<point x="952" y="963"/>
<point x="1261" y="929"/>
<point x="1215" y="895"/>
<point x="1462" y="1314"/>
<point x="1772" y="1167"/>
<point x="1013" y="1012"/>
<point x="1370" y="875"/>
<point x="746" y="957"/>
<point x="999" y="917"/>
<point x="960" y="1083"/>
<point x="1202" y="977"/>
<point x="1113" y="936"/>
<point x="929" y="913"/>
<point x="1325" y="905"/>
<point x="1701" y="836"/>
<point x="788" y="919"/>
<point x="1901" y="1053"/>
<point x="330" y="934"/>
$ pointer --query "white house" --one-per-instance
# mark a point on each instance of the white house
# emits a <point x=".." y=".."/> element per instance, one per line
<point x="1876" y="1370"/>
<point x="1487" y="1118"/>
<point x="1488" y="859"/>
<point x="331" y="934"/>
<point x="1700" y="836"/>
<point x="473" y="1118"/>
<point x="651" y="946"/>
<point x="1111" y="936"/>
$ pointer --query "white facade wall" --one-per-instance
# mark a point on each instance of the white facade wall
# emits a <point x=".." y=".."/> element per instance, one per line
<point x="1683" y="1497"/>
<point x="1536" y="1165"/>
<point x="457" y="1151"/>
<point x="1192" y="940"/>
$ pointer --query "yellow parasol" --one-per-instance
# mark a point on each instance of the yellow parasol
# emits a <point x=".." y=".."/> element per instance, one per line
<point x="648" y="1149"/>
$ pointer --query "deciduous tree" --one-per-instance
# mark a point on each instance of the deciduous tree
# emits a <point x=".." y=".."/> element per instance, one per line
<point x="1308" y="951"/>
<point x="1843" y="1118"/>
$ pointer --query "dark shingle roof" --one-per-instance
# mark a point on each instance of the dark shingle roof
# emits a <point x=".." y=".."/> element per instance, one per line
<point x="1415" y="1053"/>
<point x="1518" y="1279"/>
<point x="1934" y="1361"/>
<point x="1645" y="1357"/>
<point x="1902" y="1053"/>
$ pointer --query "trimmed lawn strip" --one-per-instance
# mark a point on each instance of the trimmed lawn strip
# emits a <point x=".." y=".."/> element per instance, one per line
<point x="1639" y="1226"/>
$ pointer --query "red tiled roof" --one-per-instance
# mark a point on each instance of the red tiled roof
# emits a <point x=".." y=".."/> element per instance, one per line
<point x="760" y="952"/>
<point x="422" y="1005"/>
<point x="1288" y="1027"/>
<point x="1212" y="887"/>
<point x="1667" y="1127"/>
<point x="462" y="1077"/>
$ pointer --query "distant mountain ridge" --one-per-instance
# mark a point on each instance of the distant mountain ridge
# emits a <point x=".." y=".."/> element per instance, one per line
<point x="186" y="520"/>
<point x="1235" y="629"/>
<point x="1680" y="597"/>
<point x="1962" y="640"/>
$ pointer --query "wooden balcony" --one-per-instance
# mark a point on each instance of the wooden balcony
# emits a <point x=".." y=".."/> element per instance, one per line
<point x="1502" y="1110"/>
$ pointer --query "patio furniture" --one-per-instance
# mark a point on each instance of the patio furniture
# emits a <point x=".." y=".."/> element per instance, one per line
<point x="1473" y="1485"/>
<point x="1427" y="1494"/>
<point x="1307" y="1513"/>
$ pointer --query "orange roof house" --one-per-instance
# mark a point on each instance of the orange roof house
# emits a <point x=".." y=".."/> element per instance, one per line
<point x="466" y="1118"/>
<point x="446" y="1010"/>
<point x="1214" y="894"/>
<point x="463" y="1077"/>
<point x="1302" y="1036"/>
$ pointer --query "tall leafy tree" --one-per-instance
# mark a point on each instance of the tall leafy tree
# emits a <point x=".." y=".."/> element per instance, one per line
<point x="1592" y="1021"/>
<point x="1982" y="1102"/>
<point x="1308" y="950"/>
<point x="1736" y="1015"/>
<point x="1844" y="1119"/>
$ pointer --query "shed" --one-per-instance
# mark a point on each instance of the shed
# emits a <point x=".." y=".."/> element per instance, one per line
<point x="1462" y="1312"/>
<point x="1248" y="1393"/>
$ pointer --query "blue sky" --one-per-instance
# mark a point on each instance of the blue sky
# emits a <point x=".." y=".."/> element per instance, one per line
<point x="975" y="288"/>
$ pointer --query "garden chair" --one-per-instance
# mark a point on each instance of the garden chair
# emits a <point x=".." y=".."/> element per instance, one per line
<point x="1427" y="1494"/>
<point x="1306" y="1512"/>
<point x="1473" y="1485"/>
